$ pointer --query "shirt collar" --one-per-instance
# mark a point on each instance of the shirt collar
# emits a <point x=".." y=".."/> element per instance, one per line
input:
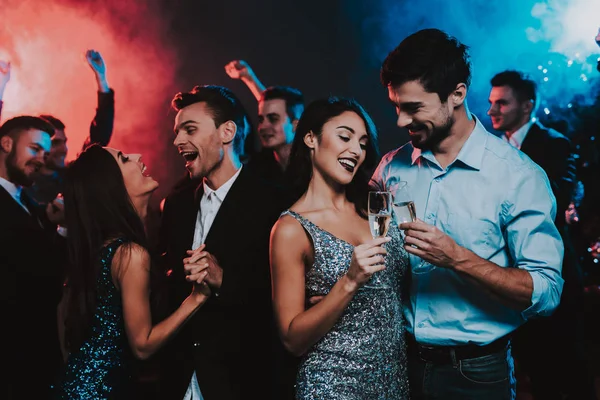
<point x="518" y="137"/>
<point x="470" y="154"/>
<point x="221" y="192"/>
<point x="11" y="188"/>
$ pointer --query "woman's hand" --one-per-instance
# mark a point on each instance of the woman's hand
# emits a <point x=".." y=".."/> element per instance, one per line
<point x="367" y="259"/>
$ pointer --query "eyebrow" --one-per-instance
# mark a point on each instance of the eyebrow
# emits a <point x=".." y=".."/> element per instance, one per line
<point x="346" y="127"/>
<point x="184" y="123"/>
<point x="38" y="145"/>
<point x="411" y="104"/>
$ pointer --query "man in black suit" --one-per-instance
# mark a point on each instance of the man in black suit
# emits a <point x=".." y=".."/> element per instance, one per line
<point x="32" y="260"/>
<point x="550" y="350"/>
<point x="219" y="230"/>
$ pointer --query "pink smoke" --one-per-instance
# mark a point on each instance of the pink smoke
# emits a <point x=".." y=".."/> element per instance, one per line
<point x="46" y="42"/>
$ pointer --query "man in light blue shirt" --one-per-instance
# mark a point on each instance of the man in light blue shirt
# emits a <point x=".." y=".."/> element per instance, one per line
<point x="485" y="223"/>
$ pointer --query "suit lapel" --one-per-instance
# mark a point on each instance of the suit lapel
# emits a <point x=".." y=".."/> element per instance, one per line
<point x="531" y="140"/>
<point x="187" y="216"/>
<point x="13" y="208"/>
<point x="230" y="211"/>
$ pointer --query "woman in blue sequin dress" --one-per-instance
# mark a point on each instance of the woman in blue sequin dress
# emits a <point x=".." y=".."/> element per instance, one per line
<point x="352" y="340"/>
<point x="106" y="305"/>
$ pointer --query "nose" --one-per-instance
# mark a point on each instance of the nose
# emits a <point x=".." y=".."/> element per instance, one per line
<point x="178" y="140"/>
<point x="492" y="110"/>
<point x="356" y="149"/>
<point x="403" y="119"/>
<point x="135" y="157"/>
<point x="262" y="125"/>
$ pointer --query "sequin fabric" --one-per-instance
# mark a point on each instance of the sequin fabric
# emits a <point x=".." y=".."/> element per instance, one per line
<point x="101" y="368"/>
<point x="364" y="355"/>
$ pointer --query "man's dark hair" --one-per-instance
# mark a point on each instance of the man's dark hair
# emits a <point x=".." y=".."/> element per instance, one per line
<point x="22" y="123"/>
<point x="294" y="99"/>
<point x="524" y="87"/>
<point x="56" y="123"/>
<point x="433" y="58"/>
<point x="223" y="105"/>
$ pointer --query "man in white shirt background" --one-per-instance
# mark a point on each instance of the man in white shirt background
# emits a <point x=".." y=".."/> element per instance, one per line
<point x="220" y="226"/>
<point x="549" y="350"/>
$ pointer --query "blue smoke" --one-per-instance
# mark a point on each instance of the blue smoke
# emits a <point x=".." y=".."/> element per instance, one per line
<point x="552" y="40"/>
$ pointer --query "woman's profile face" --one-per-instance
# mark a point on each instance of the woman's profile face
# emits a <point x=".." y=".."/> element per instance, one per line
<point x="137" y="181"/>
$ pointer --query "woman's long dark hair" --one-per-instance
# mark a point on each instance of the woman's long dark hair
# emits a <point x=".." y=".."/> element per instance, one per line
<point x="97" y="209"/>
<point x="317" y="114"/>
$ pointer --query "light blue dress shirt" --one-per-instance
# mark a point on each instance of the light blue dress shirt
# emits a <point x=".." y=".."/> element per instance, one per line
<point x="496" y="202"/>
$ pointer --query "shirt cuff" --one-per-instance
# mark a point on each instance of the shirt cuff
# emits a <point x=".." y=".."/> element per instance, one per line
<point x="543" y="301"/>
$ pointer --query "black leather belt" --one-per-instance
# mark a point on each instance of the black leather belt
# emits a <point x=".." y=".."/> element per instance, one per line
<point x="443" y="354"/>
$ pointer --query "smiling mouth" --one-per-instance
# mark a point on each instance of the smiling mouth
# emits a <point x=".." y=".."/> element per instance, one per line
<point x="189" y="156"/>
<point x="36" y="166"/>
<point x="413" y="132"/>
<point x="348" y="163"/>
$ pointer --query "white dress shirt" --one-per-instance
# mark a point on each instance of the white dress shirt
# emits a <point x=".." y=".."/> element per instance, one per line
<point x="518" y="137"/>
<point x="14" y="191"/>
<point x="209" y="207"/>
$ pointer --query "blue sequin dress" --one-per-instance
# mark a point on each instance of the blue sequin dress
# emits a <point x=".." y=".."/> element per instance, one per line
<point x="101" y="368"/>
<point x="363" y="357"/>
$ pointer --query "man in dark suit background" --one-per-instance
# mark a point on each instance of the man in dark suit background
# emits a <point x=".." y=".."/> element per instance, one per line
<point x="550" y="350"/>
<point x="31" y="260"/>
<point x="226" y="220"/>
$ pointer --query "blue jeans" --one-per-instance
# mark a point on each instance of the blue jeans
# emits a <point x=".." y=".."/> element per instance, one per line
<point x="490" y="377"/>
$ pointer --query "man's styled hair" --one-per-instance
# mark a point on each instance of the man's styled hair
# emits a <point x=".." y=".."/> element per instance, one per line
<point x="223" y="105"/>
<point x="56" y="123"/>
<point x="294" y="99"/>
<point x="524" y="87"/>
<point x="435" y="59"/>
<point x="22" y="123"/>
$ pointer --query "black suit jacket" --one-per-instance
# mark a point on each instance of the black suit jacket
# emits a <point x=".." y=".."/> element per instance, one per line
<point x="233" y="335"/>
<point x="552" y="151"/>
<point x="32" y="260"/>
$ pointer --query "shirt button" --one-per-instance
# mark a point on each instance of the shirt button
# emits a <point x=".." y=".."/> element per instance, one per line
<point x="437" y="180"/>
<point x="420" y="325"/>
<point x="430" y="216"/>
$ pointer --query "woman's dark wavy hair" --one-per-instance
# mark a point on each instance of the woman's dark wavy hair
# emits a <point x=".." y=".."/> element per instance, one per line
<point x="317" y="114"/>
<point x="97" y="209"/>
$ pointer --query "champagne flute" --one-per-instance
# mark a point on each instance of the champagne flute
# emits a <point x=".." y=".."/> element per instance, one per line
<point x="380" y="216"/>
<point x="405" y="211"/>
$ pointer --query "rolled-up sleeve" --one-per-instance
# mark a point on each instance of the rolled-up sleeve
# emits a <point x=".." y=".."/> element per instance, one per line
<point x="534" y="241"/>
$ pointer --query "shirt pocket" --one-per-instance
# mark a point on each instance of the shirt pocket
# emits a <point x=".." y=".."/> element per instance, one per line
<point x="480" y="236"/>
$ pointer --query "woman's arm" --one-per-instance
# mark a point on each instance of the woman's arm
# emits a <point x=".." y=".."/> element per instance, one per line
<point x="131" y="273"/>
<point x="291" y="253"/>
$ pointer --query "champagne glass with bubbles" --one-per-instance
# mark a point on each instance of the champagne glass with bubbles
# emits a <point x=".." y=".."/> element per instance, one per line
<point x="380" y="216"/>
<point x="405" y="211"/>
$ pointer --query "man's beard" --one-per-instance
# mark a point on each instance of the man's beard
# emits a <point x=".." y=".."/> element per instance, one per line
<point x="16" y="175"/>
<point x="436" y="136"/>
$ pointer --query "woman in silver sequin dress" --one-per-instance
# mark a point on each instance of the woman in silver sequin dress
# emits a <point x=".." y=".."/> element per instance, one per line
<point x="106" y="305"/>
<point x="352" y="340"/>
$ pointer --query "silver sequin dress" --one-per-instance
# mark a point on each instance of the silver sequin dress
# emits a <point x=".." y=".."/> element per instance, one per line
<point x="363" y="357"/>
